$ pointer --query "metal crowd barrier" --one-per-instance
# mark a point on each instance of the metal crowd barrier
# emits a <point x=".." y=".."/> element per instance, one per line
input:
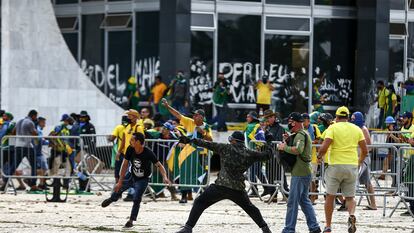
<point x="406" y="186"/>
<point x="192" y="172"/>
<point x="35" y="158"/>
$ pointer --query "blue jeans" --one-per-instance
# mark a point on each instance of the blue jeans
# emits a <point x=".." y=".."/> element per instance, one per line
<point x="139" y="186"/>
<point x="299" y="195"/>
<point x="220" y="118"/>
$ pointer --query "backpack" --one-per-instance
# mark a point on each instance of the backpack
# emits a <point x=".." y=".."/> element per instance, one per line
<point x="288" y="160"/>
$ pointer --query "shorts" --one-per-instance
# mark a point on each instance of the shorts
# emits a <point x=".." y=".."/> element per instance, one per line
<point x="343" y="177"/>
<point x="41" y="162"/>
<point x="364" y="175"/>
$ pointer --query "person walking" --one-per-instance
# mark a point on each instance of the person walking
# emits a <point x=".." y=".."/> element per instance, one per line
<point x="301" y="176"/>
<point x="221" y="93"/>
<point x="141" y="159"/>
<point x="344" y="138"/>
<point x="157" y="92"/>
<point x="383" y="94"/>
<point x="235" y="159"/>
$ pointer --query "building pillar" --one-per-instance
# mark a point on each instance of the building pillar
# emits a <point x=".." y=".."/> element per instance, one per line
<point x="175" y="37"/>
<point x="372" y="59"/>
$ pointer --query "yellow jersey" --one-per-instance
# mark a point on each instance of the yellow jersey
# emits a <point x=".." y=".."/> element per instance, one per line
<point x="264" y="93"/>
<point x="344" y="147"/>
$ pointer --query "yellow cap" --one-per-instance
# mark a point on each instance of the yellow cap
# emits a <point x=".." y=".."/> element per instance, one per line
<point x="132" y="80"/>
<point x="133" y="112"/>
<point x="342" y="111"/>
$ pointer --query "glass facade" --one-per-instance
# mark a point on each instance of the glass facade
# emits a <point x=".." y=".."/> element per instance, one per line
<point x="243" y="45"/>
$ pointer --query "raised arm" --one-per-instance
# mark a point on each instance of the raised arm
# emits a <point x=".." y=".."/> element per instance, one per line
<point x="213" y="146"/>
<point x="173" y="111"/>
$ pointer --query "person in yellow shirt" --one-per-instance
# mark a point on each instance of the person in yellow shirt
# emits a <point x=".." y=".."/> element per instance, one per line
<point x="157" y="92"/>
<point x="407" y="127"/>
<point x="133" y="127"/>
<point x="196" y="128"/>
<point x="344" y="138"/>
<point x="382" y="102"/>
<point x="116" y="138"/>
<point x="264" y="94"/>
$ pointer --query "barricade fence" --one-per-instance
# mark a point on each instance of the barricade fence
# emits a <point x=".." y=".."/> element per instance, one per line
<point x="91" y="159"/>
<point x="36" y="158"/>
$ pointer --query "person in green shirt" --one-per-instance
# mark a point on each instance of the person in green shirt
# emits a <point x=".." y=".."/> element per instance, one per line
<point x="301" y="176"/>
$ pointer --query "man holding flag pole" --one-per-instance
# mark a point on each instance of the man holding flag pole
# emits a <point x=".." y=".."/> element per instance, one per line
<point x="191" y="172"/>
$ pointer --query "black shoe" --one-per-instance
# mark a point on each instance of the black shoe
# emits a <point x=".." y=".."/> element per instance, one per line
<point x="106" y="202"/>
<point x="342" y="208"/>
<point x="316" y="231"/>
<point x="183" y="201"/>
<point x="351" y="224"/>
<point x="266" y="229"/>
<point x="129" y="198"/>
<point x="185" y="229"/>
<point x="128" y="224"/>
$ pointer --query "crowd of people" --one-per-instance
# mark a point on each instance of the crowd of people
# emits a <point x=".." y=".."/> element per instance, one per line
<point x="26" y="138"/>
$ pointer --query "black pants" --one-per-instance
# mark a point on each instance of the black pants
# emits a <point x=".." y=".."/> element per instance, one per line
<point x="215" y="193"/>
<point x="16" y="158"/>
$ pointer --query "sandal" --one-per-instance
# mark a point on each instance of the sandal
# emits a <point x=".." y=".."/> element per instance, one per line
<point x="369" y="208"/>
<point x="327" y="229"/>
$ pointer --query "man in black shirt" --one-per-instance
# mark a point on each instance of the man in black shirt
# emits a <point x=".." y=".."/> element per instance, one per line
<point x="141" y="159"/>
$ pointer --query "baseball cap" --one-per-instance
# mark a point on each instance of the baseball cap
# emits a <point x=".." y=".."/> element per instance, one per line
<point x="305" y="116"/>
<point x="199" y="111"/>
<point x="169" y="126"/>
<point x="133" y="112"/>
<point x="253" y="115"/>
<point x="64" y="117"/>
<point x="9" y="115"/>
<point x="342" y="111"/>
<point x="407" y="114"/>
<point x="237" y="135"/>
<point x="295" y="116"/>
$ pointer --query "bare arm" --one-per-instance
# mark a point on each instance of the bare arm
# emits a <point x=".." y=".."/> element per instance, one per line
<point x="367" y="136"/>
<point x="163" y="172"/>
<point x="112" y="138"/>
<point x="121" y="147"/>
<point x="173" y="111"/>
<point x="364" y="151"/>
<point x="271" y="87"/>
<point x="324" y="148"/>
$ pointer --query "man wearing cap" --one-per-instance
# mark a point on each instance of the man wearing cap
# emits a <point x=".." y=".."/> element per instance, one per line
<point x="235" y="158"/>
<point x="273" y="171"/>
<point x="196" y="128"/>
<point x="116" y="137"/>
<point x="301" y="175"/>
<point x="344" y="138"/>
<point x="407" y="127"/>
<point x="130" y="129"/>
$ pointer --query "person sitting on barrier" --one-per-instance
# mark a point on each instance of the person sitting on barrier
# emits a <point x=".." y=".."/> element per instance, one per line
<point x="235" y="159"/>
<point x="141" y="158"/>
<point x="364" y="175"/>
<point x="191" y="169"/>
<point x="133" y="127"/>
<point x="342" y="171"/>
<point x="41" y="161"/>
<point x="301" y="175"/>
<point x="391" y="138"/>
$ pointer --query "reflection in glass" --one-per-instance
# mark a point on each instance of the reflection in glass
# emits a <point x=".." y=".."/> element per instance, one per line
<point x="334" y="54"/>
<point x="119" y="67"/>
<point x="289" y="2"/>
<point x="201" y="70"/>
<point x="336" y="2"/>
<point x="71" y="40"/>
<point x="286" y="23"/>
<point x="396" y="61"/>
<point x="286" y="64"/>
<point x="397" y="4"/>
<point x="239" y="57"/>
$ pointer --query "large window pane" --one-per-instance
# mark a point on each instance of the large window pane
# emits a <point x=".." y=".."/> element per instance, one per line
<point x="286" y="23"/>
<point x="239" y="56"/>
<point x="289" y="2"/>
<point x="71" y="40"/>
<point x="66" y="1"/>
<point x="146" y="61"/>
<point x="119" y="65"/>
<point x="93" y="49"/>
<point x="336" y="2"/>
<point x="286" y="64"/>
<point x="410" y="50"/>
<point x="397" y="4"/>
<point x="334" y="59"/>
<point x="201" y="70"/>
<point x="396" y="62"/>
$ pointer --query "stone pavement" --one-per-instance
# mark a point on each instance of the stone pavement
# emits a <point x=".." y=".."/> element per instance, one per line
<point x="30" y="213"/>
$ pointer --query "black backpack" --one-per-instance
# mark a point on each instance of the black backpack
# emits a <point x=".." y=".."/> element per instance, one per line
<point x="288" y="160"/>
